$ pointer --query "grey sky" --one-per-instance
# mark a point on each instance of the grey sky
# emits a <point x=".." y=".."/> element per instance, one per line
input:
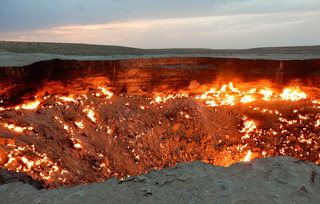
<point x="165" y="23"/>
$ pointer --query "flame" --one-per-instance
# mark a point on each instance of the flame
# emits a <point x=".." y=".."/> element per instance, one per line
<point x="67" y="99"/>
<point x="233" y="89"/>
<point x="267" y="94"/>
<point x="230" y="96"/>
<point x="247" y="99"/>
<point x="40" y="161"/>
<point x="293" y="94"/>
<point x="158" y="99"/>
<point x="109" y="130"/>
<point x="29" y="106"/>
<point x="229" y="100"/>
<point x="79" y="124"/>
<point x="249" y="126"/>
<point x="90" y="114"/>
<point x="77" y="145"/>
<point x="247" y="158"/>
<point x="105" y="92"/>
<point x="13" y="127"/>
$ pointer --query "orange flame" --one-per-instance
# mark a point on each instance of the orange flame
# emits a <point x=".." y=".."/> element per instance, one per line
<point x="247" y="158"/>
<point x="293" y="94"/>
<point x="29" y="106"/>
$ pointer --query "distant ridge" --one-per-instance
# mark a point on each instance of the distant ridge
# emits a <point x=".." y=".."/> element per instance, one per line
<point x="104" y="50"/>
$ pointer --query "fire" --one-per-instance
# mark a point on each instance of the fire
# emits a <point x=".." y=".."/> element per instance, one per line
<point x="105" y="92"/>
<point x="77" y="145"/>
<point x="247" y="99"/>
<point x="249" y="126"/>
<point x="79" y="124"/>
<point x="25" y="164"/>
<point x="229" y="95"/>
<point x="90" y="114"/>
<point x="293" y="94"/>
<point x="247" y="158"/>
<point x="229" y="100"/>
<point x="233" y="89"/>
<point x="15" y="128"/>
<point x="164" y="99"/>
<point x="267" y="94"/>
<point x="109" y="130"/>
<point x="67" y="99"/>
<point x="221" y="124"/>
<point x="29" y="106"/>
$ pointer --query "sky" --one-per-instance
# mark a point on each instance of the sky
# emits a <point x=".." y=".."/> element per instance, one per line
<point x="215" y="24"/>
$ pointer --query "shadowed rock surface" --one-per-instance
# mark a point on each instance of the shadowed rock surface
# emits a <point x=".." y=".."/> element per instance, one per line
<point x="7" y="176"/>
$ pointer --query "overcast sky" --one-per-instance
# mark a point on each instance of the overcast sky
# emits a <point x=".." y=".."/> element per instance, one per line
<point x="163" y="23"/>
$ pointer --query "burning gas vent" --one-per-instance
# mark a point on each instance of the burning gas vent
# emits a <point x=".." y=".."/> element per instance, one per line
<point x="127" y="117"/>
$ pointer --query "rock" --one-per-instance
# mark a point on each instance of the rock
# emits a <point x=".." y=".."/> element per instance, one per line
<point x="7" y="176"/>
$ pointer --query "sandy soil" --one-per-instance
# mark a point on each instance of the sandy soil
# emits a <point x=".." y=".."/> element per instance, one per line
<point x="267" y="180"/>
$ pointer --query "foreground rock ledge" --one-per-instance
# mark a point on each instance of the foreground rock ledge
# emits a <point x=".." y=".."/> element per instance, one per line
<point x="263" y="180"/>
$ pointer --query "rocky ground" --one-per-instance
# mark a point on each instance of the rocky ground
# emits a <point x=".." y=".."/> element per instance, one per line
<point x="267" y="180"/>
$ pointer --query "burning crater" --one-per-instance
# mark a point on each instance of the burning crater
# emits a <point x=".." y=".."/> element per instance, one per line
<point x="70" y="122"/>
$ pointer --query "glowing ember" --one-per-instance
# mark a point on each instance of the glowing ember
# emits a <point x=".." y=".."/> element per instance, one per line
<point x="77" y="145"/>
<point x="90" y="114"/>
<point x="67" y="99"/>
<point x="105" y="92"/>
<point x="109" y="130"/>
<point x="40" y="161"/>
<point x="79" y="124"/>
<point x="164" y="99"/>
<point x="249" y="126"/>
<point x="15" y="128"/>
